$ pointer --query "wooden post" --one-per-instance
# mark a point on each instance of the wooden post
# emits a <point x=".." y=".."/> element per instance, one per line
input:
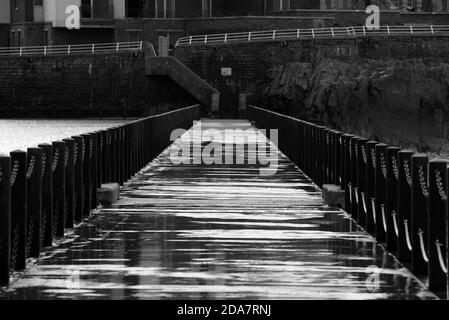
<point x="5" y="218"/>
<point x="78" y="194"/>
<point x="18" y="209"/>
<point x="87" y="197"/>
<point x="59" y="204"/>
<point x="70" y="182"/>
<point x="34" y="202"/>
<point x="392" y="199"/>
<point x="380" y="191"/>
<point x="437" y="225"/>
<point x="420" y="194"/>
<point x="47" y="195"/>
<point x="404" y="205"/>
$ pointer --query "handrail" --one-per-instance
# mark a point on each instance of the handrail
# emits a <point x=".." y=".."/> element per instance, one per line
<point x="93" y="48"/>
<point x="412" y="193"/>
<point x="314" y="33"/>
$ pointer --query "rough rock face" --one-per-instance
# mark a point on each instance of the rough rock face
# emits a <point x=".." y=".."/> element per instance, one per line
<point x="400" y="102"/>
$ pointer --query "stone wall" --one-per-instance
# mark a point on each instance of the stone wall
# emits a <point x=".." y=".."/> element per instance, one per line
<point x="84" y="86"/>
<point x="392" y="89"/>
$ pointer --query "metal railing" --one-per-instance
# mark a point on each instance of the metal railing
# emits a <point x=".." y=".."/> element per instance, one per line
<point x="398" y="196"/>
<point x="47" y="189"/>
<point x="94" y="48"/>
<point x="318" y="33"/>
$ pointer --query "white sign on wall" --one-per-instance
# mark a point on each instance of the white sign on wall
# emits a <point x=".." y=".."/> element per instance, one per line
<point x="226" y="72"/>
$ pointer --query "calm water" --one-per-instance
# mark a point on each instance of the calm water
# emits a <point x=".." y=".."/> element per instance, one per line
<point x="22" y="134"/>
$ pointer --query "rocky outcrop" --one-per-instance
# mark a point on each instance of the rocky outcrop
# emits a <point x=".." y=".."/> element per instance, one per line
<point x="400" y="102"/>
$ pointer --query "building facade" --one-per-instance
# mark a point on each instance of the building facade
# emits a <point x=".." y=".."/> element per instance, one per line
<point x="42" y="22"/>
<point x="5" y="20"/>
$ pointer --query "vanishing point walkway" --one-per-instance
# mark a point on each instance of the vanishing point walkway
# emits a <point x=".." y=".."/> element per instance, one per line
<point x="217" y="232"/>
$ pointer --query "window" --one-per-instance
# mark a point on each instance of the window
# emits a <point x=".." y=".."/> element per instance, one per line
<point x="13" y="38"/>
<point x="19" y="38"/>
<point x="15" y="4"/>
<point x="37" y="2"/>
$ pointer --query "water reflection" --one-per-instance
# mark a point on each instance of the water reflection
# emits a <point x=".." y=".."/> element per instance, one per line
<point x="193" y="232"/>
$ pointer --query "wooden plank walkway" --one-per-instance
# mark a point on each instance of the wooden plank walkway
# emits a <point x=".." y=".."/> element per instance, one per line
<point x="198" y="231"/>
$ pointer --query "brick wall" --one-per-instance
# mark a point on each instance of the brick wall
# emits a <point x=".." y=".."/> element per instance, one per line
<point x="84" y="86"/>
<point x="32" y="34"/>
<point x="250" y="61"/>
<point x="4" y="35"/>
<point x="84" y="35"/>
<point x="343" y="17"/>
<point x="358" y="17"/>
<point x="176" y="28"/>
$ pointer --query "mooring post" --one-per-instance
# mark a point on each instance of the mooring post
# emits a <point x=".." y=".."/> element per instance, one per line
<point x="70" y="182"/>
<point x="339" y="151"/>
<point x="112" y="158"/>
<point x="93" y="169"/>
<point x="5" y="218"/>
<point x="47" y="195"/>
<point x="347" y="162"/>
<point x="391" y="199"/>
<point x="404" y="205"/>
<point x="104" y="156"/>
<point x="361" y="180"/>
<point x="34" y="201"/>
<point x="355" y="193"/>
<point x="380" y="191"/>
<point x="437" y="225"/>
<point x="120" y="155"/>
<point x="59" y="199"/>
<point x="126" y="153"/>
<point x="18" y="209"/>
<point x="78" y="169"/>
<point x="87" y="191"/>
<point x="371" y="214"/>
<point x="419" y="227"/>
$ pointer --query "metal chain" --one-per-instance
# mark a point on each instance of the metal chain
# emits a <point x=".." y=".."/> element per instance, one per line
<point x="31" y="167"/>
<point x="422" y="245"/>
<point x="29" y="239"/>
<point x="373" y="157"/>
<point x="440" y="186"/>
<point x="83" y="152"/>
<point x="66" y="156"/>
<point x="43" y="226"/>
<point x="423" y="181"/>
<point x="55" y="160"/>
<point x="408" y="176"/>
<point x="383" y="164"/>
<point x="75" y="153"/>
<point x="44" y="163"/>
<point x="91" y="149"/>
<point x="394" y="164"/>
<point x="365" y="159"/>
<point x="15" y="171"/>
<point x="14" y="246"/>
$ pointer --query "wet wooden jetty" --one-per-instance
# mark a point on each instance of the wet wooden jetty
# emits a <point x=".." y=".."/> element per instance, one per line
<point x="198" y="231"/>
